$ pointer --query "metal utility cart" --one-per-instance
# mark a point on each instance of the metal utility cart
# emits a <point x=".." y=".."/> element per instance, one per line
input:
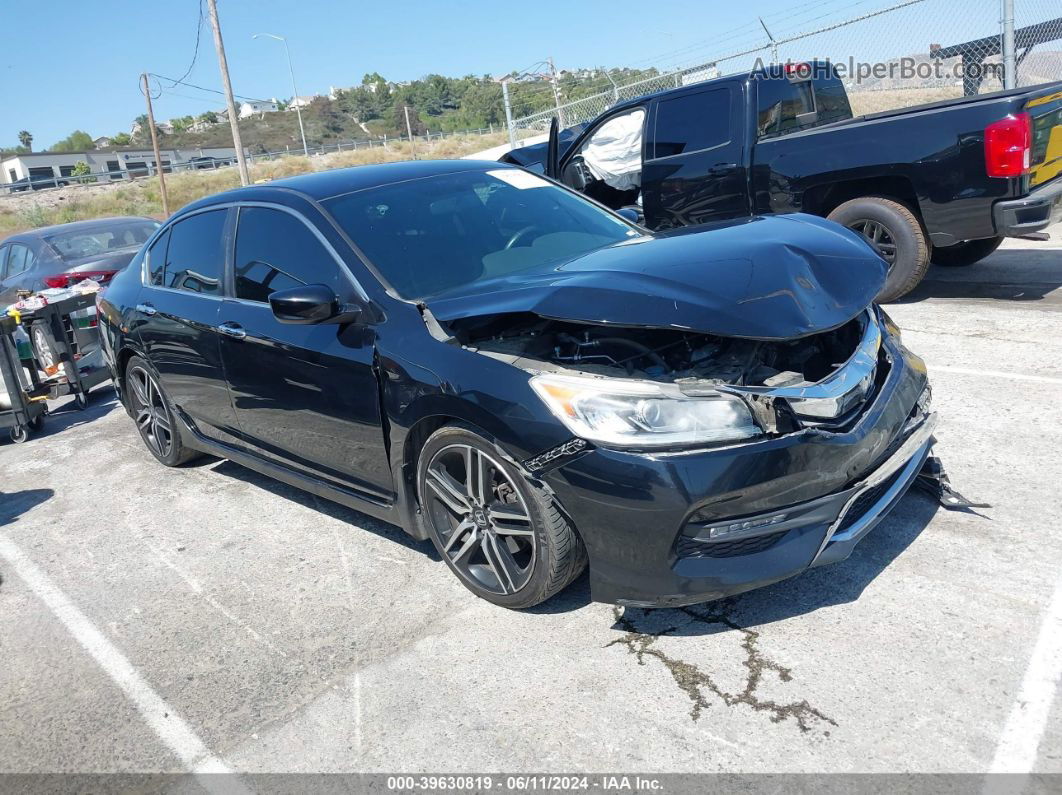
<point x="28" y="399"/>
<point x="56" y="348"/>
<point x="58" y="344"/>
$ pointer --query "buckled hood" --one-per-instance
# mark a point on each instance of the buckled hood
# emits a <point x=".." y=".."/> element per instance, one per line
<point x="771" y="277"/>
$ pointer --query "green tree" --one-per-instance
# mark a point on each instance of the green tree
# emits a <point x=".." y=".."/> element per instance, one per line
<point x="77" y="141"/>
<point x="81" y="169"/>
<point x="209" y="117"/>
<point x="182" y="123"/>
<point x="121" y="139"/>
<point x="399" y="120"/>
<point x="26" y="139"/>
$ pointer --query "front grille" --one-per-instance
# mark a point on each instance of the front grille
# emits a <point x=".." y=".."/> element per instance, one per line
<point x="694" y="548"/>
<point x="865" y="501"/>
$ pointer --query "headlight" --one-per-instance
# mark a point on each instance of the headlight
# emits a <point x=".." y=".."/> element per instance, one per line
<point x="642" y="413"/>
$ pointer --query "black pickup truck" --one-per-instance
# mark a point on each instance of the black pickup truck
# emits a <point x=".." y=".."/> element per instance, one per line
<point x="943" y="182"/>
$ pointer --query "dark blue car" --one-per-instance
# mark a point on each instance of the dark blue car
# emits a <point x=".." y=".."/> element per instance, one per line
<point x="498" y="364"/>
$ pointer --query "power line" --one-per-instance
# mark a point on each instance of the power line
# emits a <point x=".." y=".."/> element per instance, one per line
<point x="195" y="53"/>
<point x="203" y="88"/>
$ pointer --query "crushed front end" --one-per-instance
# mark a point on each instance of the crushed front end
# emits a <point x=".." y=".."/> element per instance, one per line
<point x="837" y="428"/>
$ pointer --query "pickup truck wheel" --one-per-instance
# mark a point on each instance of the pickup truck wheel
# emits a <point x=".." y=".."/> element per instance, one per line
<point x="966" y="253"/>
<point x="895" y="231"/>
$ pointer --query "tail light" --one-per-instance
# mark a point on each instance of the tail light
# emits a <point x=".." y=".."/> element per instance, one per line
<point x="1008" y="146"/>
<point x="61" y="280"/>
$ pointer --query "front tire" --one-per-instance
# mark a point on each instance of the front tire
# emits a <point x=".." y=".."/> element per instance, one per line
<point x="504" y="537"/>
<point x="967" y="253"/>
<point x="896" y="233"/>
<point x="154" y="418"/>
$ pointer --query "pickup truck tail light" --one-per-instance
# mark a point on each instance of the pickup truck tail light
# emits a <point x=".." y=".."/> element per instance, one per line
<point x="61" y="280"/>
<point x="1008" y="146"/>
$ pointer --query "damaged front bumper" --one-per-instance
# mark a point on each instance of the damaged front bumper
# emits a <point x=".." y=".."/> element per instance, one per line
<point x="669" y="529"/>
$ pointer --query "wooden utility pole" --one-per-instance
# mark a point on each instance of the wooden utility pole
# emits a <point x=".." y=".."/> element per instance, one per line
<point x="219" y="45"/>
<point x="155" y="145"/>
<point x="556" y="91"/>
<point x="409" y="129"/>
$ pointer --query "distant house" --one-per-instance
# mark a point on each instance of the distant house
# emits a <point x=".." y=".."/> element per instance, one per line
<point x="164" y="127"/>
<point x="251" y="107"/>
<point x="102" y="142"/>
<point x="301" y="102"/>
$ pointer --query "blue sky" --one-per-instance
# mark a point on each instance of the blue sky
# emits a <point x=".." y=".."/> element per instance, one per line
<point x="87" y="78"/>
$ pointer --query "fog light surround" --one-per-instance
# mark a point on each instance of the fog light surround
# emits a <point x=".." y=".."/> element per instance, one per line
<point x="732" y="529"/>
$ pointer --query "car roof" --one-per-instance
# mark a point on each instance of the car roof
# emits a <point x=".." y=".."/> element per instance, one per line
<point x="76" y="226"/>
<point x="322" y="185"/>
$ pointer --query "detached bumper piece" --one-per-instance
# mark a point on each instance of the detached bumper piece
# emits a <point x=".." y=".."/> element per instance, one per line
<point x="841" y="519"/>
<point x="934" y="480"/>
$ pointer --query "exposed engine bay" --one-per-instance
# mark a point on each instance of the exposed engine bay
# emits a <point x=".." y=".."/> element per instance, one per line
<point x="665" y="355"/>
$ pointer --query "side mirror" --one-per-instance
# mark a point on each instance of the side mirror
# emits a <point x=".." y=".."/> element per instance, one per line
<point x="305" y="305"/>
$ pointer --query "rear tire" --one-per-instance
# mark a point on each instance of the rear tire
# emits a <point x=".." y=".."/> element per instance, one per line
<point x="907" y="249"/>
<point x="504" y="537"/>
<point x="967" y="253"/>
<point x="150" y="408"/>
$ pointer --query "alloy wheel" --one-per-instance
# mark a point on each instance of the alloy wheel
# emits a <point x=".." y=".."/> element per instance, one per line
<point x="483" y="523"/>
<point x="150" y="413"/>
<point x="878" y="236"/>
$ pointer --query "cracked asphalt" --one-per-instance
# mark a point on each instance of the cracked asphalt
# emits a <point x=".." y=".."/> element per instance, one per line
<point x="290" y="634"/>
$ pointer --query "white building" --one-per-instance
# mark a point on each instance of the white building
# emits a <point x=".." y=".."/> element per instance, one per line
<point x="301" y="102"/>
<point x="111" y="164"/>
<point x="250" y="108"/>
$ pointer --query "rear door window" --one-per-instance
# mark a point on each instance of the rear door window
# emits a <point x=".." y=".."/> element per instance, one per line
<point x="19" y="260"/>
<point x="692" y="122"/>
<point x="195" y="257"/>
<point x="277" y="251"/>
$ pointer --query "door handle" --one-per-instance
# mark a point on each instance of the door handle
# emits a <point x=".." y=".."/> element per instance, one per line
<point x="234" y="330"/>
<point x="146" y="309"/>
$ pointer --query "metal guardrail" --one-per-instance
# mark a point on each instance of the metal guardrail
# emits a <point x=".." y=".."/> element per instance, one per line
<point x="209" y="162"/>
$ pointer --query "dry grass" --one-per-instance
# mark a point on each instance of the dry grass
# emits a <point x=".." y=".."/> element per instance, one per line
<point x="23" y="212"/>
<point x="864" y="102"/>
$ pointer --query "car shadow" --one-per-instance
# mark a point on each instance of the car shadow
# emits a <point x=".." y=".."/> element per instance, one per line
<point x="102" y="401"/>
<point x="331" y="509"/>
<point x="1011" y="274"/>
<point x="15" y="503"/>
<point x="812" y="590"/>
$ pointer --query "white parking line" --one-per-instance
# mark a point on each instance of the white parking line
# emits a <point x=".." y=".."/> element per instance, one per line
<point x="1020" y="740"/>
<point x="172" y="730"/>
<point x="1042" y="379"/>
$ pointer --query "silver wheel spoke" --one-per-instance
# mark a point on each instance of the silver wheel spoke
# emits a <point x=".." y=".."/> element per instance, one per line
<point x="143" y="418"/>
<point x="501" y="563"/>
<point x="458" y="532"/>
<point x="510" y="519"/>
<point x="449" y="491"/>
<point x="460" y="558"/>
<point x="476" y="476"/>
<point x="139" y="390"/>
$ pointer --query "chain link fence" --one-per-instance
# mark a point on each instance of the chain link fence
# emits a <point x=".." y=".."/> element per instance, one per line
<point x="889" y="54"/>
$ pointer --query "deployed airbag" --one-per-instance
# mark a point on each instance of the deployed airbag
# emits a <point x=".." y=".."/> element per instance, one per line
<point x="614" y="152"/>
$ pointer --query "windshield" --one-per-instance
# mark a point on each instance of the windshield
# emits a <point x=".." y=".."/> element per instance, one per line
<point x="102" y="240"/>
<point x="431" y="235"/>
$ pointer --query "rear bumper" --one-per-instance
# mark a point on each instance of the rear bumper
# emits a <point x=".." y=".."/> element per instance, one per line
<point x="1038" y="210"/>
<point x="786" y="504"/>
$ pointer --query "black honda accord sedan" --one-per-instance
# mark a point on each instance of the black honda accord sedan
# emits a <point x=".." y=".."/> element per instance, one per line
<point x="500" y="365"/>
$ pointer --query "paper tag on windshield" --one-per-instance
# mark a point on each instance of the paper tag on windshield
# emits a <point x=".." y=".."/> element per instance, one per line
<point x="519" y="179"/>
